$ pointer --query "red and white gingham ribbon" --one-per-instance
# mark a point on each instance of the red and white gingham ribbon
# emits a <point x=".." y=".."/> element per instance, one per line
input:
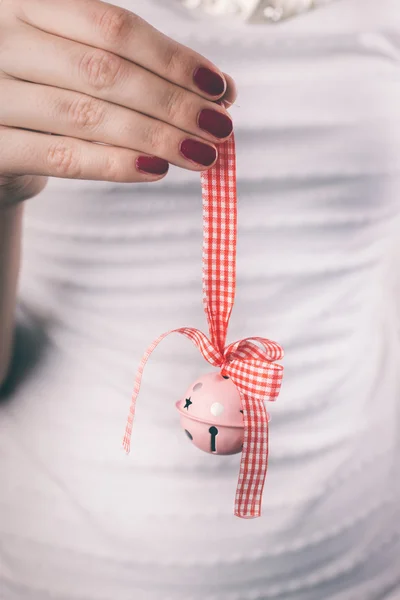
<point x="250" y="362"/>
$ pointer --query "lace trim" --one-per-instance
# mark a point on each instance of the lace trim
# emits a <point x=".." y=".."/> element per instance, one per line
<point x="269" y="11"/>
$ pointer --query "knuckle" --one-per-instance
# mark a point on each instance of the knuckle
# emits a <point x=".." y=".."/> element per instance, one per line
<point x="154" y="137"/>
<point x="62" y="160"/>
<point x="113" y="24"/>
<point x="113" y="168"/>
<point x="174" y="101"/>
<point x="85" y="113"/>
<point x="173" y="58"/>
<point x="100" y="68"/>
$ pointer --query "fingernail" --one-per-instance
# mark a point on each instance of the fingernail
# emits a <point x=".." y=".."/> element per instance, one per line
<point x="209" y="81"/>
<point x="199" y="153"/>
<point x="152" y="165"/>
<point x="215" y="123"/>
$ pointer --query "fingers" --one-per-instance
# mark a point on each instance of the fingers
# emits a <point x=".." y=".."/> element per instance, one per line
<point x="32" y="153"/>
<point x="231" y="91"/>
<point x="69" y="65"/>
<point x="125" y="34"/>
<point x="43" y="108"/>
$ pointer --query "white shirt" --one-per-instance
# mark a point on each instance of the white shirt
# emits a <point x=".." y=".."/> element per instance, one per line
<point x="108" y="267"/>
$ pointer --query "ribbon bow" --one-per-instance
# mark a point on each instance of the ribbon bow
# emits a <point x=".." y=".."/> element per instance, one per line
<point x="250" y="362"/>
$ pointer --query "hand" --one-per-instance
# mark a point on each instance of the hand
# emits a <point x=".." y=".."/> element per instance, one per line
<point x="120" y="99"/>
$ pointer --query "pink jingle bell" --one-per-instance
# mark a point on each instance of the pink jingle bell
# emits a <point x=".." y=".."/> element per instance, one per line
<point x="211" y="414"/>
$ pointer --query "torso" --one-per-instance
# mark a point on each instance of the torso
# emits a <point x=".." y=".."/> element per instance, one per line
<point x="109" y="267"/>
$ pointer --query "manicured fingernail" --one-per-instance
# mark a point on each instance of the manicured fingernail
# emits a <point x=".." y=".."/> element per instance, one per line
<point x="215" y="123"/>
<point x="197" y="152"/>
<point x="209" y="81"/>
<point x="152" y="165"/>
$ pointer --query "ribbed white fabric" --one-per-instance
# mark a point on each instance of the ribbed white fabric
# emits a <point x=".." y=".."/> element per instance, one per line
<point x="107" y="268"/>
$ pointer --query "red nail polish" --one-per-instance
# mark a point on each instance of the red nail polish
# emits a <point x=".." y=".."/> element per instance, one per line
<point x="215" y="123"/>
<point x="152" y="165"/>
<point x="197" y="152"/>
<point x="209" y="81"/>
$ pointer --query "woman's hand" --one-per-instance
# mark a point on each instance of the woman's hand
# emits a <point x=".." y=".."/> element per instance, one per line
<point x="87" y="71"/>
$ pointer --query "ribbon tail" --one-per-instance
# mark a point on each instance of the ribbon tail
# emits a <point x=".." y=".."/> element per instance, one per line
<point x="254" y="460"/>
<point x="136" y="388"/>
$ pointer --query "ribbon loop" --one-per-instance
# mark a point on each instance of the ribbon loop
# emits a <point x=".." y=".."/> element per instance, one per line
<point x="272" y="350"/>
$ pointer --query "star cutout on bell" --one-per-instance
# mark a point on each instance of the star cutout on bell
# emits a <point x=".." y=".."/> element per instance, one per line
<point x="188" y="403"/>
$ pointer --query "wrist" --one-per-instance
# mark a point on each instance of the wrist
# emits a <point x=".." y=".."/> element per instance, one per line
<point x="14" y="190"/>
<point x="10" y="251"/>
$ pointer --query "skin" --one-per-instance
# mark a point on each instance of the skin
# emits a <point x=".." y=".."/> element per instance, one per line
<point x="86" y="71"/>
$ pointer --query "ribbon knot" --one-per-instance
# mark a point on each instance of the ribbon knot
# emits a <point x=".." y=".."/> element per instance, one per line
<point x="250" y="362"/>
<point x="225" y="360"/>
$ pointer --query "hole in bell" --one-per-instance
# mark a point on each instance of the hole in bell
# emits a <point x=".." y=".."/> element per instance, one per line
<point x="188" y="434"/>
<point x="225" y="376"/>
<point x="188" y="402"/>
<point x="213" y="432"/>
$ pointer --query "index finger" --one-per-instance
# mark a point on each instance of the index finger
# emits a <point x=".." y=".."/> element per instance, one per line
<point x="124" y="33"/>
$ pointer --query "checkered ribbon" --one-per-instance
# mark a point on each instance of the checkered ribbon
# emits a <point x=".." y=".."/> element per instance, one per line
<point x="250" y="362"/>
